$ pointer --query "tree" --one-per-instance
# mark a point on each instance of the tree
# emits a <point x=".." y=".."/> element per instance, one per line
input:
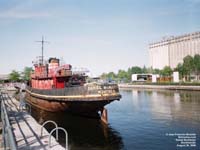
<point x="167" y="71"/>
<point x="180" y="68"/>
<point x="144" y="70"/>
<point x="14" y="76"/>
<point x="104" y="76"/>
<point x="26" y="73"/>
<point x="135" y="70"/>
<point x="156" y="71"/>
<point x="188" y="65"/>
<point x="122" y="75"/>
<point x="109" y="76"/>
<point x="196" y="61"/>
<point x="150" y="70"/>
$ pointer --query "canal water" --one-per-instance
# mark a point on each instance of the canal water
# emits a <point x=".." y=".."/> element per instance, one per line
<point x="141" y="120"/>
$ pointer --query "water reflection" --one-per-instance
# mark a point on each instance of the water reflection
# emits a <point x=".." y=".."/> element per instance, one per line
<point x="169" y="105"/>
<point x="139" y="121"/>
<point x="84" y="133"/>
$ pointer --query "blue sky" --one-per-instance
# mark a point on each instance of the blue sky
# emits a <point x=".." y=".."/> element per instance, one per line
<point x="101" y="35"/>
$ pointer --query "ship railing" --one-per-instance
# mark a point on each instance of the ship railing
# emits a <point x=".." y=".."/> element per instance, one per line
<point x="88" y="89"/>
<point x="7" y="133"/>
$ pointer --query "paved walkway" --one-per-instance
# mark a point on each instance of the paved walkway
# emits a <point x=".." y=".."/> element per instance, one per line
<point x="26" y="130"/>
<point x="1" y="138"/>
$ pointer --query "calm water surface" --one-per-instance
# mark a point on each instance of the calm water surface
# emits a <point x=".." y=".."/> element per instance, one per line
<point x="141" y="120"/>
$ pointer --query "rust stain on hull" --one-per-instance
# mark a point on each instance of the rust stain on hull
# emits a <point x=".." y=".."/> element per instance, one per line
<point x="81" y="106"/>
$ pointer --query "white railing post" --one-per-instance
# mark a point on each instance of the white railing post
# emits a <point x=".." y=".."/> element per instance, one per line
<point x="66" y="137"/>
<point x="50" y="121"/>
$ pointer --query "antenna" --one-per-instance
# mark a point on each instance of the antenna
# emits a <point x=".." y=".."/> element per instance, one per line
<point x="42" y="42"/>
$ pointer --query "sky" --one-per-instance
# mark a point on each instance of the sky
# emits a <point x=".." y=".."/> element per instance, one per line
<point x="100" y="35"/>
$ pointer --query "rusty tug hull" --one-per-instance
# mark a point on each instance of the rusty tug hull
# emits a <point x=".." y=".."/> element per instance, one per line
<point x="54" y="87"/>
<point x="85" y="104"/>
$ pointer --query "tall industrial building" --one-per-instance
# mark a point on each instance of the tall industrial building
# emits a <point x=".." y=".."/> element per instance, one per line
<point x="171" y="51"/>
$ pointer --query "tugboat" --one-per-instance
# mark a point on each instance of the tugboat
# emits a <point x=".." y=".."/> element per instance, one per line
<point x="55" y="87"/>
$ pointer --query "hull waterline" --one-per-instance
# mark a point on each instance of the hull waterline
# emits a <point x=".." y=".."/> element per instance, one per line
<point x="82" y="104"/>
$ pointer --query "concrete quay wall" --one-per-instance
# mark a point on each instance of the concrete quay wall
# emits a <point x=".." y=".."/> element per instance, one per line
<point x="163" y="87"/>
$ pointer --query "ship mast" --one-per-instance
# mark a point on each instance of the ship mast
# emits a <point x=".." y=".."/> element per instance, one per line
<point x="42" y="42"/>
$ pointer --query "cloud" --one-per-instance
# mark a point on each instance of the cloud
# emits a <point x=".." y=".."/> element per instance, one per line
<point x="24" y="10"/>
<point x="12" y="14"/>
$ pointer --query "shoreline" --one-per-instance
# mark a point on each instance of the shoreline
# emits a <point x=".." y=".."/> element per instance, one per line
<point x="163" y="87"/>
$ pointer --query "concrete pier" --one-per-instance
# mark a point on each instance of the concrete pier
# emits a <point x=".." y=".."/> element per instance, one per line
<point x="1" y="138"/>
<point x="160" y="87"/>
<point x="27" y="132"/>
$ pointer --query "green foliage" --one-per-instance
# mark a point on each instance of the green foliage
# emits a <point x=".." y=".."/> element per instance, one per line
<point x="167" y="71"/>
<point x="122" y="75"/>
<point x="180" y="68"/>
<point x="14" y="76"/>
<point x="111" y="76"/>
<point x="134" y="70"/>
<point x="26" y="73"/>
<point x="104" y="76"/>
<point x="188" y="64"/>
<point x="144" y="70"/>
<point x="156" y="71"/>
<point x="197" y="63"/>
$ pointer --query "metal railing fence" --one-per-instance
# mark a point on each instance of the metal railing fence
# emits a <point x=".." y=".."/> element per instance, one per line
<point x="7" y="133"/>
